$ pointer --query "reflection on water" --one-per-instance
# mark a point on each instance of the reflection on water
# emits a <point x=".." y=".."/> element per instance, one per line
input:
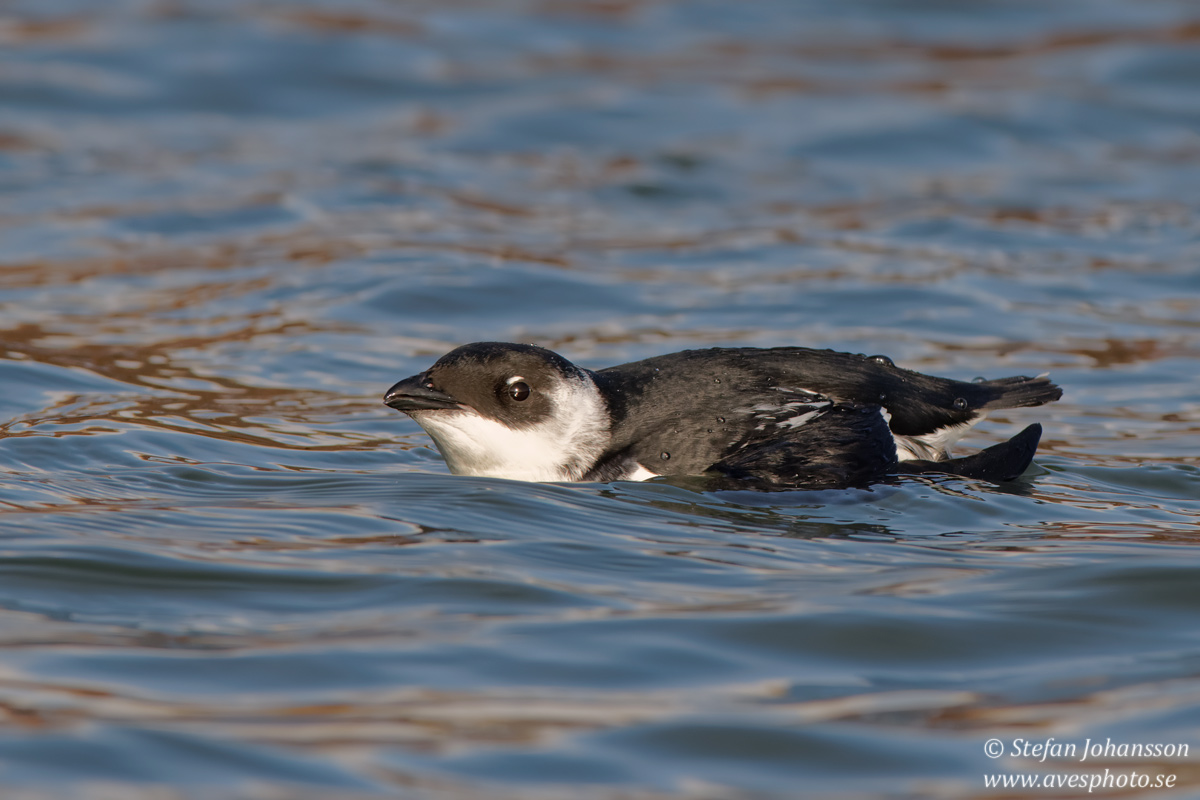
<point x="226" y="570"/>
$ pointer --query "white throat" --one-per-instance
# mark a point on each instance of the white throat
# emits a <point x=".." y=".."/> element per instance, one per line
<point x="561" y="448"/>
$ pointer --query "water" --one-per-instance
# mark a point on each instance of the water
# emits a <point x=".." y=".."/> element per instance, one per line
<point x="228" y="571"/>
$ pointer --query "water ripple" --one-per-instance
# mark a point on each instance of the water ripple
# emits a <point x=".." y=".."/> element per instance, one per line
<point x="226" y="570"/>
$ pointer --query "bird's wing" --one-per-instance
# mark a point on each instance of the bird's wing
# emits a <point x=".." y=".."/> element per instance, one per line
<point x="840" y="445"/>
<point x="918" y="404"/>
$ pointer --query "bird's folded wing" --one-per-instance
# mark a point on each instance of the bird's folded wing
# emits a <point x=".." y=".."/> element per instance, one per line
<point x="847" y="444"/>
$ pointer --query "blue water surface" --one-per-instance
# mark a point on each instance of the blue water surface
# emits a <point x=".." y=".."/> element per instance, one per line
<point x="228" y="571"/>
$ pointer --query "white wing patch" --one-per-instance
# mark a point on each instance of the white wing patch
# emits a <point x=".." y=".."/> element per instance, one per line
<point x="798" y="407"/>
<point x="800" y="419"/>
<point x="639" y="474"/>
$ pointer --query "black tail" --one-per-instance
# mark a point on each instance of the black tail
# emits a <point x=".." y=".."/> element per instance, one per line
<point x="1020" y="392"/>
<point x="1000" y="462"/>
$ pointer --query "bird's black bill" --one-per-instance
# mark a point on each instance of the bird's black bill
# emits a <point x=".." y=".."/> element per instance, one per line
<point x="412" y="394"/>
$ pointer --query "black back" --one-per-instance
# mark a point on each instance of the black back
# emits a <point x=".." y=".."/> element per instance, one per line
<point x="697" y="408"/>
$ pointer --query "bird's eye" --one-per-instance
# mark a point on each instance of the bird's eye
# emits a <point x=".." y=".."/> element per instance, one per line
<point x="518" y="391"/>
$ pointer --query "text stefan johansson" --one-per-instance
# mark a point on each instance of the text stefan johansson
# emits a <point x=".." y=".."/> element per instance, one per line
<point x="1049" y="748"/>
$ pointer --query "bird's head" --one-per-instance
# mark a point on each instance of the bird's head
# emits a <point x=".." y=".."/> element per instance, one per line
<point x="507" y="410"/>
